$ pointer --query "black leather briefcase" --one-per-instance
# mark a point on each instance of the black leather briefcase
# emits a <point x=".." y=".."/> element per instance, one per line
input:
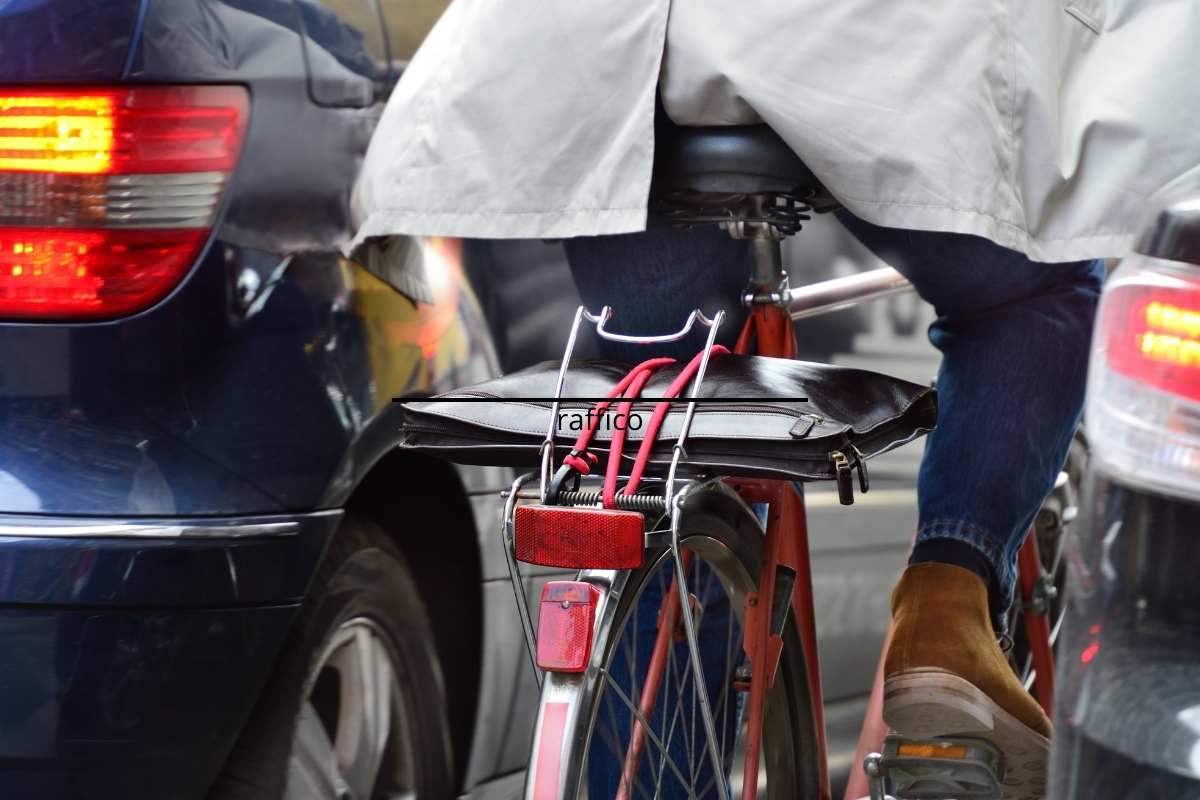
<point x="759" y="417"/>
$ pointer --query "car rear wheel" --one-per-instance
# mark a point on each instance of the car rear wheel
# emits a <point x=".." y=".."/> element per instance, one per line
<point x="355" y="709"/>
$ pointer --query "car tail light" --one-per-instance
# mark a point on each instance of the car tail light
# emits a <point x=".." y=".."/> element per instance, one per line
<point x="107" y="195"/>
<point x="579" y="538"/>
<point x="1143" y="413"/>
<point x="565" y="621"/>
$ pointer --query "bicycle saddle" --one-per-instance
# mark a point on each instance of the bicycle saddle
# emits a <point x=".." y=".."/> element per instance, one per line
<point x="722" y="172"/>
<point x="729" y="159"/>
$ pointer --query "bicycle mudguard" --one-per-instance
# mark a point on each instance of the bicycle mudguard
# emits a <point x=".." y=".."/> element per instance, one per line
<point x="756" y="417"/>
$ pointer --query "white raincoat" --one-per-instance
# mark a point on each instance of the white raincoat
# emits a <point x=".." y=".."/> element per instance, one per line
<point x="1041" y="124"/>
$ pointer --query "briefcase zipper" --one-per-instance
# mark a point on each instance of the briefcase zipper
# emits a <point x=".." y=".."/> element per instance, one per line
<point x="843" y="472"/>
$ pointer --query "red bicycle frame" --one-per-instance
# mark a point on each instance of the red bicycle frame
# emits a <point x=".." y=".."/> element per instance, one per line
<point x="768" y="332"/>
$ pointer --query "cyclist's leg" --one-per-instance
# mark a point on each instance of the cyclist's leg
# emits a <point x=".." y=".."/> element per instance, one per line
<point x="1014" y="335"/>
<point x="654" y="279"/>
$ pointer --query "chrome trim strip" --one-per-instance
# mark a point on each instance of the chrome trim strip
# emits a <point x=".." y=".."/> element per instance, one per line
<point x="182" y="200"/>
<point x="186" y="200"/>
<point x="201" y="528"/>
<point x="190" y="179"/>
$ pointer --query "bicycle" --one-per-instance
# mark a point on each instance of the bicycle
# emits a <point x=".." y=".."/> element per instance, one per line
<point x="682" y="661"/>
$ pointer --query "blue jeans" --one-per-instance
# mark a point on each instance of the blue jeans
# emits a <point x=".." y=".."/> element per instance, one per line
<point x="1014" y="336"/>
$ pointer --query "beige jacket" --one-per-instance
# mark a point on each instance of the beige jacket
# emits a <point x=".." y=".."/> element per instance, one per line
<point x="1043" y="125"/>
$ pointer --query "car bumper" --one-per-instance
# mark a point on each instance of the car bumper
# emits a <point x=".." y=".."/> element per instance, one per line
<point x="1128" y="694"/>
<point x="134" y="649"/>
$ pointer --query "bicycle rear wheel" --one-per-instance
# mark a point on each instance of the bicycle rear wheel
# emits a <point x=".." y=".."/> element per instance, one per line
<point x="637" y="731"/>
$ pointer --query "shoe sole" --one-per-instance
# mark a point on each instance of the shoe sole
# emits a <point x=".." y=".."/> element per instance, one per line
<point x="928" y="703"/>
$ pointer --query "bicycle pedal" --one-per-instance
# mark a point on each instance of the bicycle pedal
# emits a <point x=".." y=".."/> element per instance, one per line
<point x="946" y="768"/>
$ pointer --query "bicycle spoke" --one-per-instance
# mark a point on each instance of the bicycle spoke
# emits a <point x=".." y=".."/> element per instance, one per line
<point x="697" y="706"/>
<point x="667" y="735"/>
<point x="614" y="726"/>
<point x="633" y="709"/>
<point x="691" y="750"/>
<point x="723" y="700"/>
<point x="614" y="747"/>
<point x="670" y="735"/>
<point x="682" y="676"/>
<point x="634" y="665"/>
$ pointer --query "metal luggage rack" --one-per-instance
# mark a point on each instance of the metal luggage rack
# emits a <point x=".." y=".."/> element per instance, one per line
<point x="800" y="302"/>
<point x="600" y="320"/>
<point x="671" y="501"/>
<point x="664" y="508"/>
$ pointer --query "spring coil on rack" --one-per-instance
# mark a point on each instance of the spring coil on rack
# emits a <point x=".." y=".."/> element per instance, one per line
<point x="637" y="502"/>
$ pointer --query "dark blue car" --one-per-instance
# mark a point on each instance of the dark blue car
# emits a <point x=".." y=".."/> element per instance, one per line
<point x="216" y="577"/>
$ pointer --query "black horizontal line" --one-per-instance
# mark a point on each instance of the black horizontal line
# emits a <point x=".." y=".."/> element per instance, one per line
<point x="644" y="400"/>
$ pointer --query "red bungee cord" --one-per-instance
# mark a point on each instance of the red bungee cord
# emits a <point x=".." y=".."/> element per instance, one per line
<point x="628" y="389"/>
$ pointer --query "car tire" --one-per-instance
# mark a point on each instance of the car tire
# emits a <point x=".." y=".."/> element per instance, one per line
<point x="305" y="738"/>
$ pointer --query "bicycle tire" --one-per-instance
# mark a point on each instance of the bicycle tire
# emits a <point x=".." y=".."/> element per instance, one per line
<point x="723" y="534"/>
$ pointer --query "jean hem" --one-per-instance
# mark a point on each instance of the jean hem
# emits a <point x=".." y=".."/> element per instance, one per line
<point x="983" y="541"/>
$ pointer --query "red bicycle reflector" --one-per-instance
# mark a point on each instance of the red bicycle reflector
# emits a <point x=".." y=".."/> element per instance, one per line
<point x="579" y="538"/>
<point x="565" y="621"/>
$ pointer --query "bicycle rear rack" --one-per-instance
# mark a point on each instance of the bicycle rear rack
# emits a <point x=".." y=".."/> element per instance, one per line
<point x="600" y="320"/>
<point x="670" y="503"/>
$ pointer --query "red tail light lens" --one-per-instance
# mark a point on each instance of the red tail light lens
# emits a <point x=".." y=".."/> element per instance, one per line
<point x="150" y="129"/>
<point x="1143" y="404"/>
<point x="579" y="538"/>
<point x="45" y="272"/>
<point x="1153" y="335"/>
<point x="107" y="195"/>
<point x="565" y="621"/>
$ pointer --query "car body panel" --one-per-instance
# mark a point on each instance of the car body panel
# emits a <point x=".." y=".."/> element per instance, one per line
<point x="1128" y="685"/>
<point x="135" y="649"/>
<point x="1127" y="693"/>
<point x="67" y="41"/>
<point x="122" y="704"/>
<point x="262" y="385"/>
<point x="271" y="304"/>
<point x="171" y="563"/>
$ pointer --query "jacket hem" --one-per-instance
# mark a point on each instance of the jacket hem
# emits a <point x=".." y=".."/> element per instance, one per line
<point x="496" y="224"/>
<point x="890" y="214"/>
<point x="491" y="224"/>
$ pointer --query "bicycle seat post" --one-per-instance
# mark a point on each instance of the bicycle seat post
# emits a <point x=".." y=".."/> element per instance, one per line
<point x="767" y="281"/>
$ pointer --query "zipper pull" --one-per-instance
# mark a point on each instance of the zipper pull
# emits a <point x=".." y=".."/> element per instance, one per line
<point x="864" y="482"/>
<point x="845" y="480"/>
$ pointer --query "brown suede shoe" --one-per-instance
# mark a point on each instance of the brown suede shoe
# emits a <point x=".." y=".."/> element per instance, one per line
<point x="945" y="675"/>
